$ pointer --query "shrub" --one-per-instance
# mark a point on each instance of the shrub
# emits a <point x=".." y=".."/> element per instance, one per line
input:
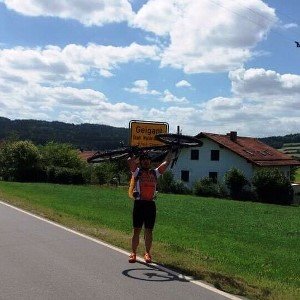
<point x="19" y="161"/>
<point x="293" y="173"/>
<point x="272" y="187"/>
<point x="64" y="175"/>
<point x="235" y="181"/>
<point x="60" y="155"/>
<point x="63" y="165"/>
<point x="178" y="187"/>
<point x="106" y="172"/>
<point x="164" y="183"/>
<point x="208" y="188"/>
<point x="167" y="184"/>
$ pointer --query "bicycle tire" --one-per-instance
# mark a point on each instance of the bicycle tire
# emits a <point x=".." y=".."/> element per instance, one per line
<point x="178" y="140"/>
<point x="108" y="156"/>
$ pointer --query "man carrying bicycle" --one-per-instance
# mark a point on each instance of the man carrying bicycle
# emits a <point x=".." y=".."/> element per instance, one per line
<point x="144" y="210"/>
<point x="144" y="181"/>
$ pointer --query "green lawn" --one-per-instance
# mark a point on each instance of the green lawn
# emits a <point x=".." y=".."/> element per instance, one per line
<point x="247" y="248"/>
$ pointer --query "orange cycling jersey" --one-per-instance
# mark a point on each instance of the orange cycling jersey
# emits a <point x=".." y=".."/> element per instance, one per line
<point x="145" y="183"/>
<point x="146" y="180"/>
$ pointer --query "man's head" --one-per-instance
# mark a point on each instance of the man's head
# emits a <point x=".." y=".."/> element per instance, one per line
<point x="145" y="161"/>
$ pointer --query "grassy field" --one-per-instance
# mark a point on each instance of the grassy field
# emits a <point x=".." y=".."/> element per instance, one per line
<point x="297" y="178"/>
<point x="246" y="248"/>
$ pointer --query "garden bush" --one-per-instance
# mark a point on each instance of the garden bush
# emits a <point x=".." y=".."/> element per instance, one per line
<point x="109" y="173"/>
<point x="167" y="184"/>
<point x="208" y="188"/>
<point x="236" y="182"/>
<point x="272" y="186"/>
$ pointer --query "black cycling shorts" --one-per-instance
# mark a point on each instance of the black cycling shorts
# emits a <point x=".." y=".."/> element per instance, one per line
<point x="144" y="213"/>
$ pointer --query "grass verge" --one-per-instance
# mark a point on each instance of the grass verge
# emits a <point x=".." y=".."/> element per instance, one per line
<point x="245" y="248"/>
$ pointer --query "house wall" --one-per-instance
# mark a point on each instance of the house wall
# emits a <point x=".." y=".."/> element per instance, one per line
<point x="201" y="168"/>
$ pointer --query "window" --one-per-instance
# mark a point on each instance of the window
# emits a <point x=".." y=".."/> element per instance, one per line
<point x="185" y="176"/>
<point x="214" y="155"/>
<point x="194" y="154"/>
<point x="213" y="176"/>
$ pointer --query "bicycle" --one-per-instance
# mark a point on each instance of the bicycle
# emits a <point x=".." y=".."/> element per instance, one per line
<point x="171" y="142"/>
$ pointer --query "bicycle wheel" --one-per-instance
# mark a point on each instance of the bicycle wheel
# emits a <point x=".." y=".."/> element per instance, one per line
<point x="108" y="156"/>
<point x="178" y="140"/>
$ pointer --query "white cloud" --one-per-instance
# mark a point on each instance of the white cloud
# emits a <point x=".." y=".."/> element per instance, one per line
<point x="142" y="87"/>
<point x="92" y="12"/>
<point x="55" y="65"/>
<point x="157" y="16"/>
<point x="65" y="104"/>
<point x="168" y="97"/>
<point x="261" y="84"/>
<point x="250" y="112"/>
<point x="262" y="101"/>
<point x="183" y="83"/>
<point x="206" y="36"/>
<point x="196" y="36"/>
<point x="290" y="25"/>
<point x="33" y="83"/>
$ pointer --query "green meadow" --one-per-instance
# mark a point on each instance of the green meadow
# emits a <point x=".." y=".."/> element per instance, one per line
<point x="297" y="177"/>
<point x="246" y="248"/>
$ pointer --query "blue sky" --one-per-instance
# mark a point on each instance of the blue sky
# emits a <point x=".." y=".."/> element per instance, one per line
<point x="210" y="65"/>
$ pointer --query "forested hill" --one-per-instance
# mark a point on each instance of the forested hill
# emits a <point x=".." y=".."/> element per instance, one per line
<point x="89" y="136"/>
<point x="85" y="136"/>
<point x="278" y="141"/>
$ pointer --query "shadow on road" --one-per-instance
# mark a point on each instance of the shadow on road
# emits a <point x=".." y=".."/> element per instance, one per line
<point x="150" y="273"/>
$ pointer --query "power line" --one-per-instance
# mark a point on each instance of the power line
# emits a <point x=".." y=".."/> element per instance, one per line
<point x="286" y="15"/>
<point x="265" y="17"/>
<point x="251" y="20"/>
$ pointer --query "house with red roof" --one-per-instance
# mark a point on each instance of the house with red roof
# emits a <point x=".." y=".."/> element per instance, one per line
<point x="220" y="153"/>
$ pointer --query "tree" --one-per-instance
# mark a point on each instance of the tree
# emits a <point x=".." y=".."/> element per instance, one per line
<point x="19" y="161"/>
<point x="60" y="155"/>
<point x="62" y="164"/>
<point x="235" y="181"/>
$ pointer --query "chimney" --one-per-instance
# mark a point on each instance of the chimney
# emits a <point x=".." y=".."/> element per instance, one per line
<point x="233" y="136"/>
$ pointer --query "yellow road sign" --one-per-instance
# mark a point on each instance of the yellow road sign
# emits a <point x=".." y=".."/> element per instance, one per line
<point x="142" y="133"/>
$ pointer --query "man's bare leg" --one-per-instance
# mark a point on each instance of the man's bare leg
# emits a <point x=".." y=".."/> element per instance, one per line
<point x="135" y="239"/>
<point x="134" y="244"/>
<point x="148" y="244"/>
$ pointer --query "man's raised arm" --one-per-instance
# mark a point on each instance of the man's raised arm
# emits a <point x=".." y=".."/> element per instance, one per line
<point x="163" y="167"/>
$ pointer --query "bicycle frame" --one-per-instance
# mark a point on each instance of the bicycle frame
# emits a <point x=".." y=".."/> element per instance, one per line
<point x="172" y="142"/>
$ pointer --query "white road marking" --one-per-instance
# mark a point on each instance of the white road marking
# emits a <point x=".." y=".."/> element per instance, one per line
<point x="139" y="259"/>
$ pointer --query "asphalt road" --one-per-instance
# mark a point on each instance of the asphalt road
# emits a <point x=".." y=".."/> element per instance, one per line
<point x="39" y="260"/>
